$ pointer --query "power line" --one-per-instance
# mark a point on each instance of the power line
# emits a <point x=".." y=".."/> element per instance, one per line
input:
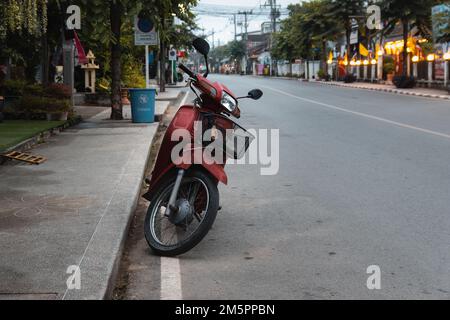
<point x="224" y="13"/>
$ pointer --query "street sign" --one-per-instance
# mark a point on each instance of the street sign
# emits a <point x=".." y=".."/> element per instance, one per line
<point x="173" y="55"/>
<point x="354" y="37"/>
<point x="145" y="33"/>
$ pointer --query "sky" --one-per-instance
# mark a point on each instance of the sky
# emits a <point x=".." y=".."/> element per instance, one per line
<point x="217" y="15"/>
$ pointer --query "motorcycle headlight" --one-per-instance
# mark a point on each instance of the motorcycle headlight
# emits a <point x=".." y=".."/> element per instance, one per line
<point x="228" y="102"/>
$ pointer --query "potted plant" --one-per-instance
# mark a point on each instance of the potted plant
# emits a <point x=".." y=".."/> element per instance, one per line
<point x="56" y="109"/>
<point x="56" y="102"/>
<point x="51" y="102"/>
<point x="389" y="69"/>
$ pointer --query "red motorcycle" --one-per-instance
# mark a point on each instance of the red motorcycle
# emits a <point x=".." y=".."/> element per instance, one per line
<point x="183" y="195"/>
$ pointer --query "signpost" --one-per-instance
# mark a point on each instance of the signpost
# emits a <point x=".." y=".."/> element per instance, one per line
<point x="146" y="35"/>
<point x="73" y="23"/>
<point x="172" y="59"/>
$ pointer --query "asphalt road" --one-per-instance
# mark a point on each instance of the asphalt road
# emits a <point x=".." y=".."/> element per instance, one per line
<point x="364" y="179"/>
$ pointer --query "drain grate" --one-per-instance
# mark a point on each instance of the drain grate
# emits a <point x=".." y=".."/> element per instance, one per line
<point x="25" y="157"/>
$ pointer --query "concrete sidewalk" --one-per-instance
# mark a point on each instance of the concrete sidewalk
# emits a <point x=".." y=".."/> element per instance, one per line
<point x="73" y="210"/>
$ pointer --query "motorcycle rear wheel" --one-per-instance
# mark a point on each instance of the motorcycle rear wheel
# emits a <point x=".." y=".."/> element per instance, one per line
<point x="199" y="198"/>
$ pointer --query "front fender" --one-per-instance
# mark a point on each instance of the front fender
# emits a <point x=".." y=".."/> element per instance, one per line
<point x="216" y="170"/>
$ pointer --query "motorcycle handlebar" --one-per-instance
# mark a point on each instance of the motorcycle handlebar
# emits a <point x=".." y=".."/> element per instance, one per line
<point x="186" y="70"/>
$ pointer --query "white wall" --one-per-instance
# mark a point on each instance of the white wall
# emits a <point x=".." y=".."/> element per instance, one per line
<point x="284" y="69"/>
<point x="313" y="69"/>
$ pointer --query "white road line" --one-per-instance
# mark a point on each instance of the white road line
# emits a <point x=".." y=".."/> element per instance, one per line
<point x="170" y="269"/>
<point x="170" y="279"/>
<point x="365" y="115"/>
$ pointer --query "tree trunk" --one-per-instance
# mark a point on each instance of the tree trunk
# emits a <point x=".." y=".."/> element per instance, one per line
<point x="348" y="32"/>
<point x="405" y="46"/>
<point x="324" y="56"/>
<point x="116" y="65"/>
<point x="45" y="60"/>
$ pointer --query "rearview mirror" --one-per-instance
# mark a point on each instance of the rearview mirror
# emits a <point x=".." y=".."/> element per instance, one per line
<point x="201" y="45"/>
<point x="255" y="94"/>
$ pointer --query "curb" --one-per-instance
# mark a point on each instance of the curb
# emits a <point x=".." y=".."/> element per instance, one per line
<point x="104" y="264"/>
<point x="102" y="257"/>
<point x="159" y="117"/>
<point x="396" y="91"/>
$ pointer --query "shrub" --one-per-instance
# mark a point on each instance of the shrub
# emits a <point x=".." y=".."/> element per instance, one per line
<point x="13" y="88"/>
<point x="51" y="105"/>
<point x="37" y="105"/>
<point x="57" y="91"/>
<point x="103" y="85"/>
<point x="323" y="75"/>
<point x="132" y="76"/>
<point x="404" y="82"/>
<point x="34" y="90"/>
<point x="349" y="78"/>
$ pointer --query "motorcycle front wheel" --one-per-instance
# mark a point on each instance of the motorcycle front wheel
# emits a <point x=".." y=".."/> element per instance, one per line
<point x="197" y="205"/>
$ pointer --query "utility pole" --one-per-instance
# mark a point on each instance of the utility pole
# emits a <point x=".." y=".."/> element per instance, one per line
<point x="245" y="13"/>
<point x="274" y="14"/>
<point x="212" y="33"/>
<point x="235" y="22"/>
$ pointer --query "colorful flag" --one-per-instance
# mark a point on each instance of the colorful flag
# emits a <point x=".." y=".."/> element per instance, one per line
<point x="363" y="50"/>
<point x="80" y="50"/>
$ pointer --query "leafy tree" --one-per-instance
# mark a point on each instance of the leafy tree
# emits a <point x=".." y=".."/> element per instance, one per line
<point x="163" y="13"/>
<point x="23" y="25"/>
<point x="320" y="26"/>
<point x="283" y="48"/>
<point x="343" y="11"/>
<point x="306" y="31"/>
<point x="236" y="51"/>
<point x="410" y="14"/>
<point x="442" y="22"/>
<point x="29" y="16"/>
<point x="106" y="21"/>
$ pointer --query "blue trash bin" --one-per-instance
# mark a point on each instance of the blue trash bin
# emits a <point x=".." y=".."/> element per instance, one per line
<point x="143" y="105"/>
